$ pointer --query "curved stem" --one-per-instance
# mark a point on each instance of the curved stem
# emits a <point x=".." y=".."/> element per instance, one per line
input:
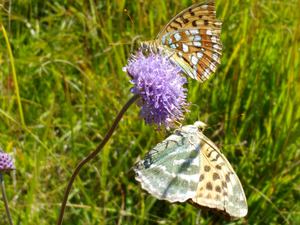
<point x="5" y="199"/>
<point x="92" y="155"/>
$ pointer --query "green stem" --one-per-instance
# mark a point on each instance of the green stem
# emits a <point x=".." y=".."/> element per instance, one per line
<point x="13" y="70"/>
<point x="5" y="199"/>
<point x="93" y="155"/>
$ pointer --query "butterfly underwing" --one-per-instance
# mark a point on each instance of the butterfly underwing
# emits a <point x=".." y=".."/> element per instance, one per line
<point x="187" y="166"/>
<point x="191" y="40"/>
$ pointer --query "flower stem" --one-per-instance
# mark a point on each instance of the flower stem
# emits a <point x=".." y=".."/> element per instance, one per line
<point x="92" y="155"/>
<point x="5" y="199"/>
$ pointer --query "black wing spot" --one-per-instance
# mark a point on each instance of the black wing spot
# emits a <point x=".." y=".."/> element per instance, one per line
<point x="218" y="189"/>
<point x="147" y="162"/>
<point x="206" y="168"/>
<point x="201" y="177"/>
<point x="174" y="28"/>
<point x="184" y="20"/>
<point x="215" y="159"/>
<point x="180" y="24"/>
<point x="209" y="186"/>
<point x="191" y="12"/>
<point x="216" y="176"/>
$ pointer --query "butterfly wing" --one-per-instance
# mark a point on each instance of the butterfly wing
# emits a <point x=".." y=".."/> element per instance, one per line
<point x="194" y="37"/>
<point x="170" y="171"/>
<point x="189" y="15"/>
<point x="188" y="166"/>
<point x="219" y="186"/>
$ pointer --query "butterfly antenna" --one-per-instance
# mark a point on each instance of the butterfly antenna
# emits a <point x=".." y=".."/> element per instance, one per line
<point x="134" y="42"/>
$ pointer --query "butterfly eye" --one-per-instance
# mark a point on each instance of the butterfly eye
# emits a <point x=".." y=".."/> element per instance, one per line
<point x="143" y="45"/>
<point x="201" y="129"/>
<point x="200" y="125"/>
<point x="145" y="49"/>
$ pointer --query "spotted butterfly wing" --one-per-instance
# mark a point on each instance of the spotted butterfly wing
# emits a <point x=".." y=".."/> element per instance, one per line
<point x="187" y="166"/>
<point x="192" y="40"/>
<point x="219" y="187"/>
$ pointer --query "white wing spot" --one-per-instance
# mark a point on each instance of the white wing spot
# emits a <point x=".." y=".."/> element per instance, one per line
<point x="217" y="47"/>
<point x="185" y="48"/>
<point x="191" y="161"/>
<point x="173" y="175"/>
<point x="212" y="66"/>
<point x="194" y="32"/>
<point x="163" y="40"/>
<point x="177" y="37"/>
<point x="197" y="43"/>
<point x="206" y="73"/>
<point x="178" y="162"/>
<point x="189" y="177"/>
<point x="194" y="60"/>
<point x="215" y="57"/>
<point x="195" y="73"/>
<point x="162" y="168"/>
<point x="213" y="39"/>
<point x="199" y="55"/>
<point x="197" y="38"/>
<point x="209" y="32"/>
<point x="173" y="46"/>
<point x="187" y="33"/>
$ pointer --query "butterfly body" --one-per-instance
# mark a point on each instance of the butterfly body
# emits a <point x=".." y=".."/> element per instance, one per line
<point x="191" y="40"/>
<point x="187" y="166"/>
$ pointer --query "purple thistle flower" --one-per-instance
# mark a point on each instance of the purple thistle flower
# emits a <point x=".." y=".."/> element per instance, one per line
<point x="6" y="162"/>
<point x="160" y="85"/>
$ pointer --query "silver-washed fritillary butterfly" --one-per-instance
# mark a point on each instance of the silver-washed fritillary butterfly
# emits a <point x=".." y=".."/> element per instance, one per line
<point x="187" y="166"/>
<point x="192" y="40"/>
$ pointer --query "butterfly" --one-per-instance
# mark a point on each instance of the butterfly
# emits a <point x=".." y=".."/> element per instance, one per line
<point x="187" y="166"/>
<point x="191" y="40"/>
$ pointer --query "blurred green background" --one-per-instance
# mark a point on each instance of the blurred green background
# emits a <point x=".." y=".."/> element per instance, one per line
<point x="68" y="57"/>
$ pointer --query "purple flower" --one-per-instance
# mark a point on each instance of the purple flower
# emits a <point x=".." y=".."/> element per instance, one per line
<point x="160" y="85"/>
<point x="6" y="162"/>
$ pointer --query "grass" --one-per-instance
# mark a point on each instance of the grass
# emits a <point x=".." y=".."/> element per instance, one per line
<point x="68" y="57"/>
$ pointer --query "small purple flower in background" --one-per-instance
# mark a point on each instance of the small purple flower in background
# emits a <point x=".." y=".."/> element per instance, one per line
<point x="160" y="85"/>
<point x="6" y="162"/>
<point x="6" y="165"/>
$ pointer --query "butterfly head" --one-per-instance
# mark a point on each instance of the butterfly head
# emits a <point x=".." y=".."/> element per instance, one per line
<point x="151" y="47"/>
<point x="145" y="45"/>
<point x="200" y="125"/>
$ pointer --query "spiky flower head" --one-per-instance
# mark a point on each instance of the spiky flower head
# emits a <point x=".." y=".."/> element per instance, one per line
<point x="6" y="162"/>
<point x="159" y="84"/>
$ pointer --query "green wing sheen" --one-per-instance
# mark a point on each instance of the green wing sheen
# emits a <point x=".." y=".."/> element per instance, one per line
<point x="170" y="171"/>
